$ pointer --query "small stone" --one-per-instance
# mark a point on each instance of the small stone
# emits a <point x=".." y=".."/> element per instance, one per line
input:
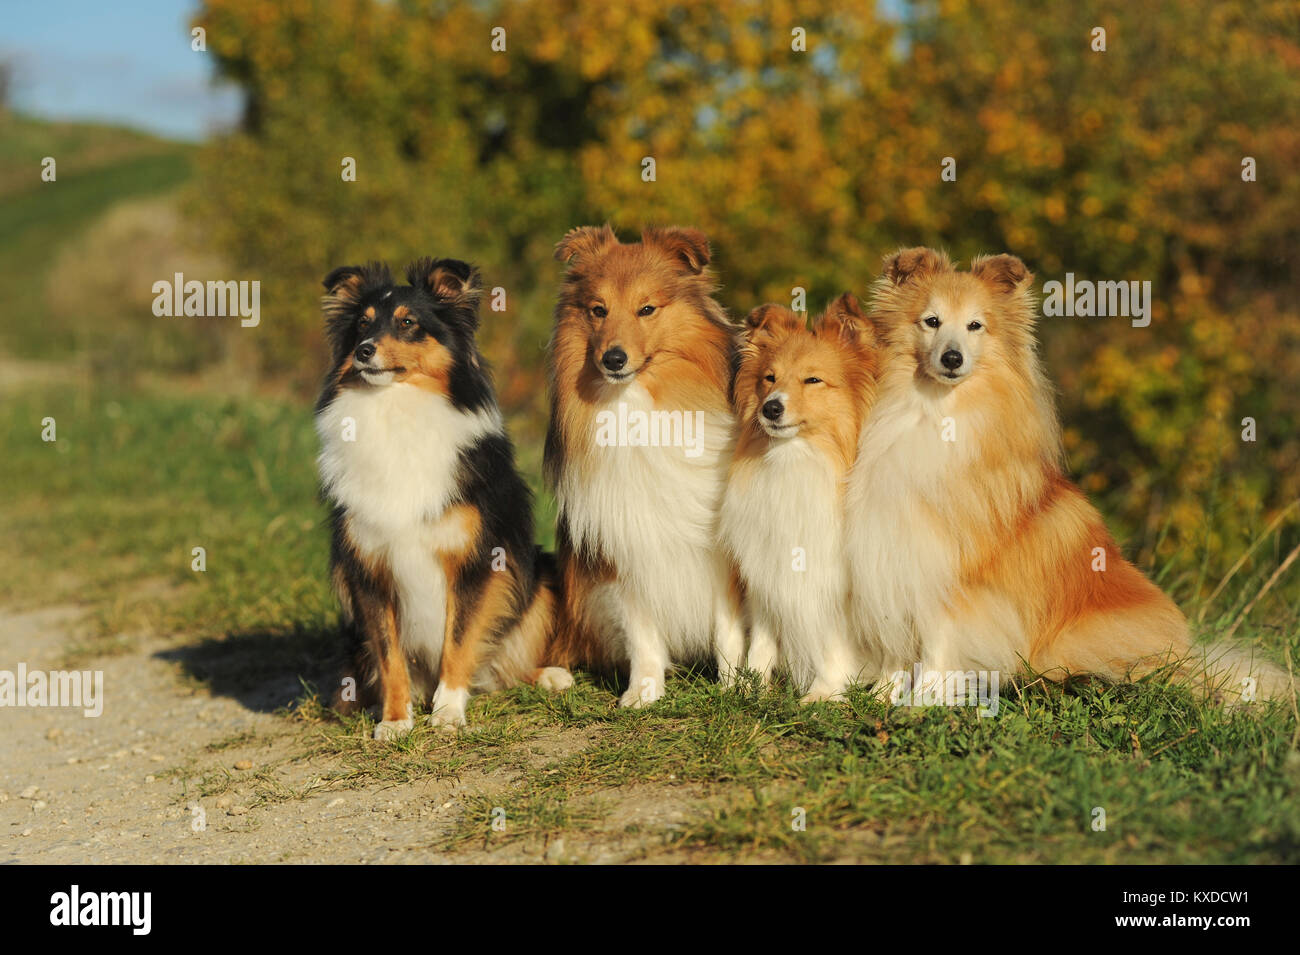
<point x="29" y="793"/>
<point x="73" y="760"/>
<point x="237" y="811"/>
<point x="335" y="802"/>
<point x="150" y="778"/>
<point x="224" y="802"/>
<point x="244" y="764"/>
<point x="39" y="804"/>
<point x="53" y="733"/>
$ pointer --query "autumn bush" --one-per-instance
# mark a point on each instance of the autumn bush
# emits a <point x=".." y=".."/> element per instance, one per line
<point x="805" y="166"/>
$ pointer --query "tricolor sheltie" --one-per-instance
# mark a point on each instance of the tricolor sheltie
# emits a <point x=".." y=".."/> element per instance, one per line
<point x="641" y="431"/>
<point x="433" y="562"/>
<point x="969" y="548"/>
<point x="800" y="397"/>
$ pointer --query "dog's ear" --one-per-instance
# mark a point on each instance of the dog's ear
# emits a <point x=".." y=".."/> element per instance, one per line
<point x="770" y="320"/>
<point x="450" y="281"/>
<point x="916" y="263"/>
<point x="1004" y="272"/>
<point x="691" y="246"/>
<point x="845" y="320"/>
<point x="346" y="285"/>
<point x="344" y="279"/>
<point x="584" y="242"/>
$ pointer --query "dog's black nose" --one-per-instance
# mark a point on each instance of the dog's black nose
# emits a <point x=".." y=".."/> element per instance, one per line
<point x="365" y="351"/>
<point x="772" y="410"/>
<point x="951" y="359"/>
<point x="614" y="359"/>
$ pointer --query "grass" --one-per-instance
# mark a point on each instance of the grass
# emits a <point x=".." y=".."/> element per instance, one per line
<point x="133" y="484"/>
<point x="1178" y="782"/>
<point x="97" y="166"/>
<point x="108" y="515"/>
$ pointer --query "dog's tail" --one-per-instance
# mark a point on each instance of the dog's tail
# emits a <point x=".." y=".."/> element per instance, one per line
<point x="1231" y="674"/>
<point x="1153" y="640"/>
<point x="584" y="621"/>
<point x="528" y="653"/>
<point x="358" y="676"/>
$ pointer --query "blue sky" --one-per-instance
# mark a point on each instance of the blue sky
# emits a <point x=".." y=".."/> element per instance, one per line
<point x="125" y="62"/>
<point x="118" y="62"/>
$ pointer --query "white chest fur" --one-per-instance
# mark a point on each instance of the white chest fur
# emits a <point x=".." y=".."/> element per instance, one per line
<point x="389" y="454"/>
<point x="900" y="561"/>
<point x="389" y="457"/>
<point x="782" y="520"/>
<point x="782" y="523"/>
<point x="652" y="511"/>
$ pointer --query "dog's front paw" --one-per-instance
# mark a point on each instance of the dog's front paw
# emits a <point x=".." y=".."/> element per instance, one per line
<point x="448" y="709"/>
<point x="646" y="691"/>
<point x="554" y="679"/>
<point x="391" y="729"/>
<point x="821" y="694"/>
<point x="447" y="721"/>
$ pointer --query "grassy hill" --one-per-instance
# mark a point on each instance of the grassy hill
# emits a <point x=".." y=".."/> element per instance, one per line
<point x="97" y="167"/>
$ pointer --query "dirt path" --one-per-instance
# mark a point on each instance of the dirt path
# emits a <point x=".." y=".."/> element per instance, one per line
<point x="123" y="787"/>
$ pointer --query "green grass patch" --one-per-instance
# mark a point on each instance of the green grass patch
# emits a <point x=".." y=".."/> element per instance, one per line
<point x="110" y="512"/>
<point x="96" y="166"/>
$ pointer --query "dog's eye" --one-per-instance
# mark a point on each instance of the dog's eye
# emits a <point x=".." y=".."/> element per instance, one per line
<point x="645" y="310"/>
<point x="974" y="327"/>
<point x="770" y="377"/>
<point x="812" y="381"/>
<point x="933" y="321"/>
<point x="599" y="311"/>
<point x="407" y="323"/>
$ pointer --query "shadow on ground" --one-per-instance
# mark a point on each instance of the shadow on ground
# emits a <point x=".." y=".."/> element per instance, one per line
<point x="266" y="671"/>
<point x="263" y="670"/>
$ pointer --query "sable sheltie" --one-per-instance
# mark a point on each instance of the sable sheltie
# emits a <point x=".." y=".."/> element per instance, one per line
<point x="969" y="548"/>
<point x="432" y="557"/>
<point x="641" y="431"/>
<point x="800" y="397"/>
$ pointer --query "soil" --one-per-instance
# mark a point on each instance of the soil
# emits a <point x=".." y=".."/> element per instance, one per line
<point x="124" y="787"/>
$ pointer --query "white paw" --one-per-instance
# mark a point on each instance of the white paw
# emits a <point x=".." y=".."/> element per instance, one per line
<point x="391" y="729"/>
<point x="554" y="679"/>
<point x="447" y="720"/>
<point x="642" y="693"/>
<point x="449" y="708"/>
<point x="821" y="694"/>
